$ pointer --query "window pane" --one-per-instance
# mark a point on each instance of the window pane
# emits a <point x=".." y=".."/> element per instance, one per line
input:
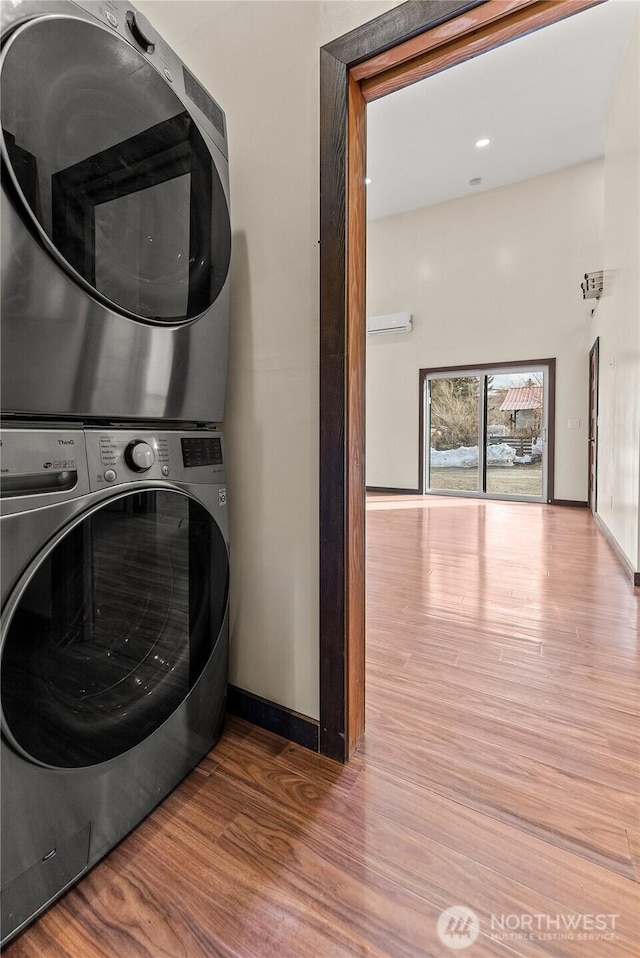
<point x="453" y="453"/>
<point x="514" y="433"/>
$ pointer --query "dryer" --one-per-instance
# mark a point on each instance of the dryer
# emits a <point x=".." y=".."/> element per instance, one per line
<point x="114" y="641"/>
<point x="116" y="238"/>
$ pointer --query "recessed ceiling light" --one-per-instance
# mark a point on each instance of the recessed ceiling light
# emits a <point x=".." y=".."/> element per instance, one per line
<point x="367" y="180"/>
<point x="485" y="141"/>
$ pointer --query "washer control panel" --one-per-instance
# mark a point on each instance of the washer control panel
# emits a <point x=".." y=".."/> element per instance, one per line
<point x="117" y="455"/>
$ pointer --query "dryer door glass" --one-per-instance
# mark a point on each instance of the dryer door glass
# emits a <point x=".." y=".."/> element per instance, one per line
<point x="112" y="170"/>
<point x="113" y="629"/>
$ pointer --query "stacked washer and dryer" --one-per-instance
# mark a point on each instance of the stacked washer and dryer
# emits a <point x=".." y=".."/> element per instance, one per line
<point x="116" y="245"/>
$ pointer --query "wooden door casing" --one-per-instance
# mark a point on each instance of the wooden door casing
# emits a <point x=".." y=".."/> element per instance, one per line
<point x="406" y="44"/>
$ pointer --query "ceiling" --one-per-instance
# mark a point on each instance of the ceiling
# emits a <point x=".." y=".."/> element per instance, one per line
<point x="541" y="99"/>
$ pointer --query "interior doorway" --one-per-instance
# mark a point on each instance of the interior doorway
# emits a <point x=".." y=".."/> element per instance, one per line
<point x="487" y="431"/>
<point x="406" y="44"/>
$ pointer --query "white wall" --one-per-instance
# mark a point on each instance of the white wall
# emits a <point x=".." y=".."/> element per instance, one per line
<point x="617" y="316"/>
<point x="489" y="278"/>
<point x="260" y="60"/>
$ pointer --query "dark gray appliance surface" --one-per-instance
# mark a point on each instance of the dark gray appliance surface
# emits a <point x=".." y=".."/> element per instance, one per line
<point x="57" y="822"/>
<point x="67" y="353"/>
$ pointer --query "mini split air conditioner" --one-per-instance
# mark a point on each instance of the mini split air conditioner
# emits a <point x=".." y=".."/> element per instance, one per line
<point x="391" y="323"/>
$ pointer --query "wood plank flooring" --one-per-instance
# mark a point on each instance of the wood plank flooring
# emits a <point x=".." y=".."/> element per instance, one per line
<point x="499" y="771"/>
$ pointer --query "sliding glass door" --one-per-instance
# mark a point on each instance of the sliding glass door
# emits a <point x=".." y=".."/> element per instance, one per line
<point x="486" y="431"/>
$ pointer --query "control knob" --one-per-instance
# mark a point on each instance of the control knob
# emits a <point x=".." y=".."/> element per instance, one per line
<point x="139" y="455"/>
<point x="143" y="33"/>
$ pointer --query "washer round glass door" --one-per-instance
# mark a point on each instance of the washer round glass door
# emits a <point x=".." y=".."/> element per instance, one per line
<point x="113" y="629"/>
<point x="112" y="170"/>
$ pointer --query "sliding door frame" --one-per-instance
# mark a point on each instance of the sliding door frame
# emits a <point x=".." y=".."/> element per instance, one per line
<point x="482" y="369"/>
<point x="408" y="43"/>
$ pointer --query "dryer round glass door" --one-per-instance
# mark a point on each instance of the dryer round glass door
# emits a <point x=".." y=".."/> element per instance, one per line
<point x="112" y="170"/>
<point x="113" y="629"/>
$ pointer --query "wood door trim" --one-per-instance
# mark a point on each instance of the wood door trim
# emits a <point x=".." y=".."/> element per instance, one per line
<point x="500" y="26"/>
<point x="342" y="335"/>
<point x="356" y="355"/>
<point x="437" y="37"/>
<point x="333" y="487"/>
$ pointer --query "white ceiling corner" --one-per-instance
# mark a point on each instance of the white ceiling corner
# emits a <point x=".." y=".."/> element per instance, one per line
<point x="542" y="100"/>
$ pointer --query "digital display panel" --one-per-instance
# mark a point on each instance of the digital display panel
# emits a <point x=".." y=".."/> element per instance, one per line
<point x="201" y="451"/>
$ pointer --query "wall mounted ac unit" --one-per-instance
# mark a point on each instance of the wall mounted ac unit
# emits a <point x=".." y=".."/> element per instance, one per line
<point x="391" y="323"/>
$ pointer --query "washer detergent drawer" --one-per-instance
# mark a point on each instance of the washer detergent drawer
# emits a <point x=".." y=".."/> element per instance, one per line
<point x="45" y="879"/>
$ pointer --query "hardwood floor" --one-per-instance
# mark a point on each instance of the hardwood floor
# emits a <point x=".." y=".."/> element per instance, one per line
<point x="499" y="771"/>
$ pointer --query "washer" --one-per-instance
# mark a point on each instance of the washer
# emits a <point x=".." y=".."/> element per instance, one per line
<point x="116" y="239"/>
<point x="114" y="641"/>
